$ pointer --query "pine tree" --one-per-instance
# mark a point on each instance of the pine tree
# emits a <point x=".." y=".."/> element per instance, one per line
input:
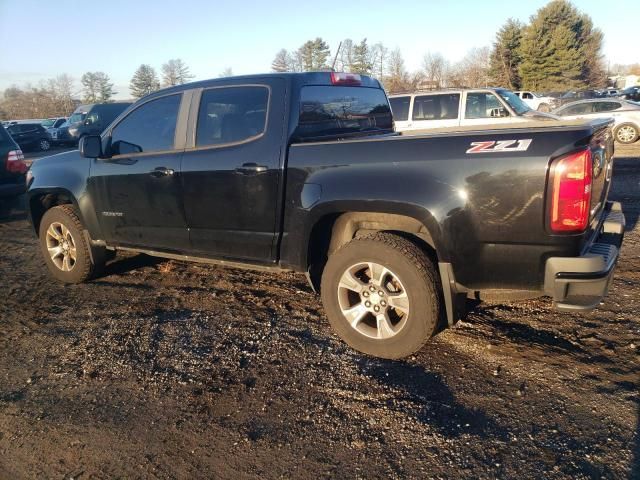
<point x="314" y="55"/>
<point x="89" y="87"/>
<point x="361" y="58"/>
<point x="175" y="72"/>
<point x="144" y="81"/>
<point x="105" y="87"/>
<point x="506" y="57"/>
<point x="282" y="62"/>
<point x="560" y="49"/>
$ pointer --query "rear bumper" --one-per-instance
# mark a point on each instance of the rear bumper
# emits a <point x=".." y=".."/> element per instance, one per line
<point x="580" y="283"/>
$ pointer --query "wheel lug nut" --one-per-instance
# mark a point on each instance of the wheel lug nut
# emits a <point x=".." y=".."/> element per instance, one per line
<point x="372" y="288"/>
<point x="376" y="308"/>
<point x="383" y="303"/>
<point x="367" y="304"/>
<point x="365" y="294"/>
<point x="381" y="293"/>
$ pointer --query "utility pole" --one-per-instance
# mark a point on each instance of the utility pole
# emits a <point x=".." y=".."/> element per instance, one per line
<point x="335" y="59"/>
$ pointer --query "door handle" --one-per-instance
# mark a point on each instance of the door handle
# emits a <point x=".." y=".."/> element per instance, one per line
<point x="162" y="172"/>
<point x="251" y="169"/>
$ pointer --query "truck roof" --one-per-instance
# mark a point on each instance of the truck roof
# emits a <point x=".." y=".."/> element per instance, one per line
<point x="301" y="78"/>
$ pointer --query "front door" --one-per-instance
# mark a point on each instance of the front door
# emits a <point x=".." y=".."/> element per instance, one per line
<point x="231" y="173"/>
<point x="138" y="188"/>
<point x="484" y="108"/>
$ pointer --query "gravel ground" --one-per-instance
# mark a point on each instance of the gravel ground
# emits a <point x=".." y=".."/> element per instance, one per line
<point x="160" y="369"/>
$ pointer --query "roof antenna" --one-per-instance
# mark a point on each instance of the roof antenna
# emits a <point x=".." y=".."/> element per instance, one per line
<point x="335" y="59"/>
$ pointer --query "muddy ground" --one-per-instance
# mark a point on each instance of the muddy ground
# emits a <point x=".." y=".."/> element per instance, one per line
<point x="161" y="369"/>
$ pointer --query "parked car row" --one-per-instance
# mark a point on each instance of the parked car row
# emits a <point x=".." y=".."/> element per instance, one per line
<point x="459" y="107"/>
<point x="494" y="106"/>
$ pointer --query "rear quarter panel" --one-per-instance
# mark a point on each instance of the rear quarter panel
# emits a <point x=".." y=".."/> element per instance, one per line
<point x="484" y="211"/>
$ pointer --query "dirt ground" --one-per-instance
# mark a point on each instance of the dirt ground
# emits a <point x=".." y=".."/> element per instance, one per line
<point x="160" y="369"/>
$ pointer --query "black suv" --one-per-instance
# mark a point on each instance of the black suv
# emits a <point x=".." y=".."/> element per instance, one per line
<point x="12" y="168"/>
<point x="30" y="135"/>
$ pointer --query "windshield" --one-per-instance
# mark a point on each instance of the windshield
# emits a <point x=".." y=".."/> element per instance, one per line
<point x="77" y="117"/>
<point x="514" y="101"/>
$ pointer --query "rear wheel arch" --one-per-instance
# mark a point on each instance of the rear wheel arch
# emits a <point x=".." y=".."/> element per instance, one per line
<point x="333" y="231"/>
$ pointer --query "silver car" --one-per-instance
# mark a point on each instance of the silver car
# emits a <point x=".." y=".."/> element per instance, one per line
<point x="625" y="113"/>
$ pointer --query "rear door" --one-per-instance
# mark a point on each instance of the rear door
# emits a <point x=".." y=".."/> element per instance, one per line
<point x="137" y="190"/>
<point x="231" y="170"/>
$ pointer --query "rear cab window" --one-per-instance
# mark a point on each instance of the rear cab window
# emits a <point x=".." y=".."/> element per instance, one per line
<point x="342" y="111"/>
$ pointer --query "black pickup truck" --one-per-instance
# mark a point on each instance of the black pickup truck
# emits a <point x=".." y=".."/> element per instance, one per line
<point x="304" y="172"/>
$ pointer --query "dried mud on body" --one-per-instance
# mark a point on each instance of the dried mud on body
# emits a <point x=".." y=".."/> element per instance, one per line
<point x="169" y="370"/>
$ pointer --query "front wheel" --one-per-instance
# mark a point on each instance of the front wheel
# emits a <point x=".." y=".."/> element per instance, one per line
<point x="626" y="133"/>
<point x="381" y="295"/>
<point x="64" y="248"/>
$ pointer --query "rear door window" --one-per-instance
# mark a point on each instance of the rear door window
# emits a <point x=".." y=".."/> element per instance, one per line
<point x="580" y="109"/>
<point x="340" y="112"/>
<point x="436" y="107"/>
<point x="606" y="106"/>
<point x="231" y="115"/>
<point x="400" y="108"/>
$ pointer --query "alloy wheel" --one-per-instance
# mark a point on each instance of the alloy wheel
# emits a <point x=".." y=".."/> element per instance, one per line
<point x="373" y="300"/>
<point x="61" y="246"/>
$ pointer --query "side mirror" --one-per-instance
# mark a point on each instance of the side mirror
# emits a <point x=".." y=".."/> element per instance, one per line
<point x="90" y="146"/>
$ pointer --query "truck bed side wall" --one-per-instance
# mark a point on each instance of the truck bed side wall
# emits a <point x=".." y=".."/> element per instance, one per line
<point x="484" y="212"/>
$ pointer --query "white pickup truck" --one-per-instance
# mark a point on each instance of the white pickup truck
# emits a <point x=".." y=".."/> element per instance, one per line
<point x="537" y="101"/>
<point x="460" y="108"/>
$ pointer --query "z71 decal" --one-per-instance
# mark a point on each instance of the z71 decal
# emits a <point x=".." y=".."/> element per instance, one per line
<point x="492" y="146"/>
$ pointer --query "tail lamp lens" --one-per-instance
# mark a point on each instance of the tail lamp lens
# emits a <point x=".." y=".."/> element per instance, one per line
<point x="571" y="178"/>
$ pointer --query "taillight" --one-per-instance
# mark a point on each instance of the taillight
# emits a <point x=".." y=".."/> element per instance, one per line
<point x="342" y="78"/>
<point x="570" y="192"/>
<point x="15" y="162"/>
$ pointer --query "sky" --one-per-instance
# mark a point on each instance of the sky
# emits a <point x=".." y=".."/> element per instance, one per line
<point x="42" y="39"/>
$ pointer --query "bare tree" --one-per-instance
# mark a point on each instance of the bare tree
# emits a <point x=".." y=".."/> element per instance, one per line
<point x="435" y="69"/>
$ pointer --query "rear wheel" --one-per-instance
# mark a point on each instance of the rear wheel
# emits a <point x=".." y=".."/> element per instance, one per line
<point x="544" y="107"/>
<point x="64" y="247"/>
<point x="44" y="145"/>
<point x="626" y="133"/>
<point x="381" y="295"/>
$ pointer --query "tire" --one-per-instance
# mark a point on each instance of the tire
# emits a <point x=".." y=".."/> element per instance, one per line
<point x="544" y="107"/>
<point x="44" y="145"/>
<point x="410" y="274"/>
<point x="626" y="133"/>
<point x="62" y="230"/>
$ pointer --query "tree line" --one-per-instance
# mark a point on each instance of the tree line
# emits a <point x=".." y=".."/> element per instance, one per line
<point x="59" y="97"/>
<point x="559" y="49"/>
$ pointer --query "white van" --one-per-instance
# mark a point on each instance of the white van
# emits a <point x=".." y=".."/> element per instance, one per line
<point x="459" y="107"/>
